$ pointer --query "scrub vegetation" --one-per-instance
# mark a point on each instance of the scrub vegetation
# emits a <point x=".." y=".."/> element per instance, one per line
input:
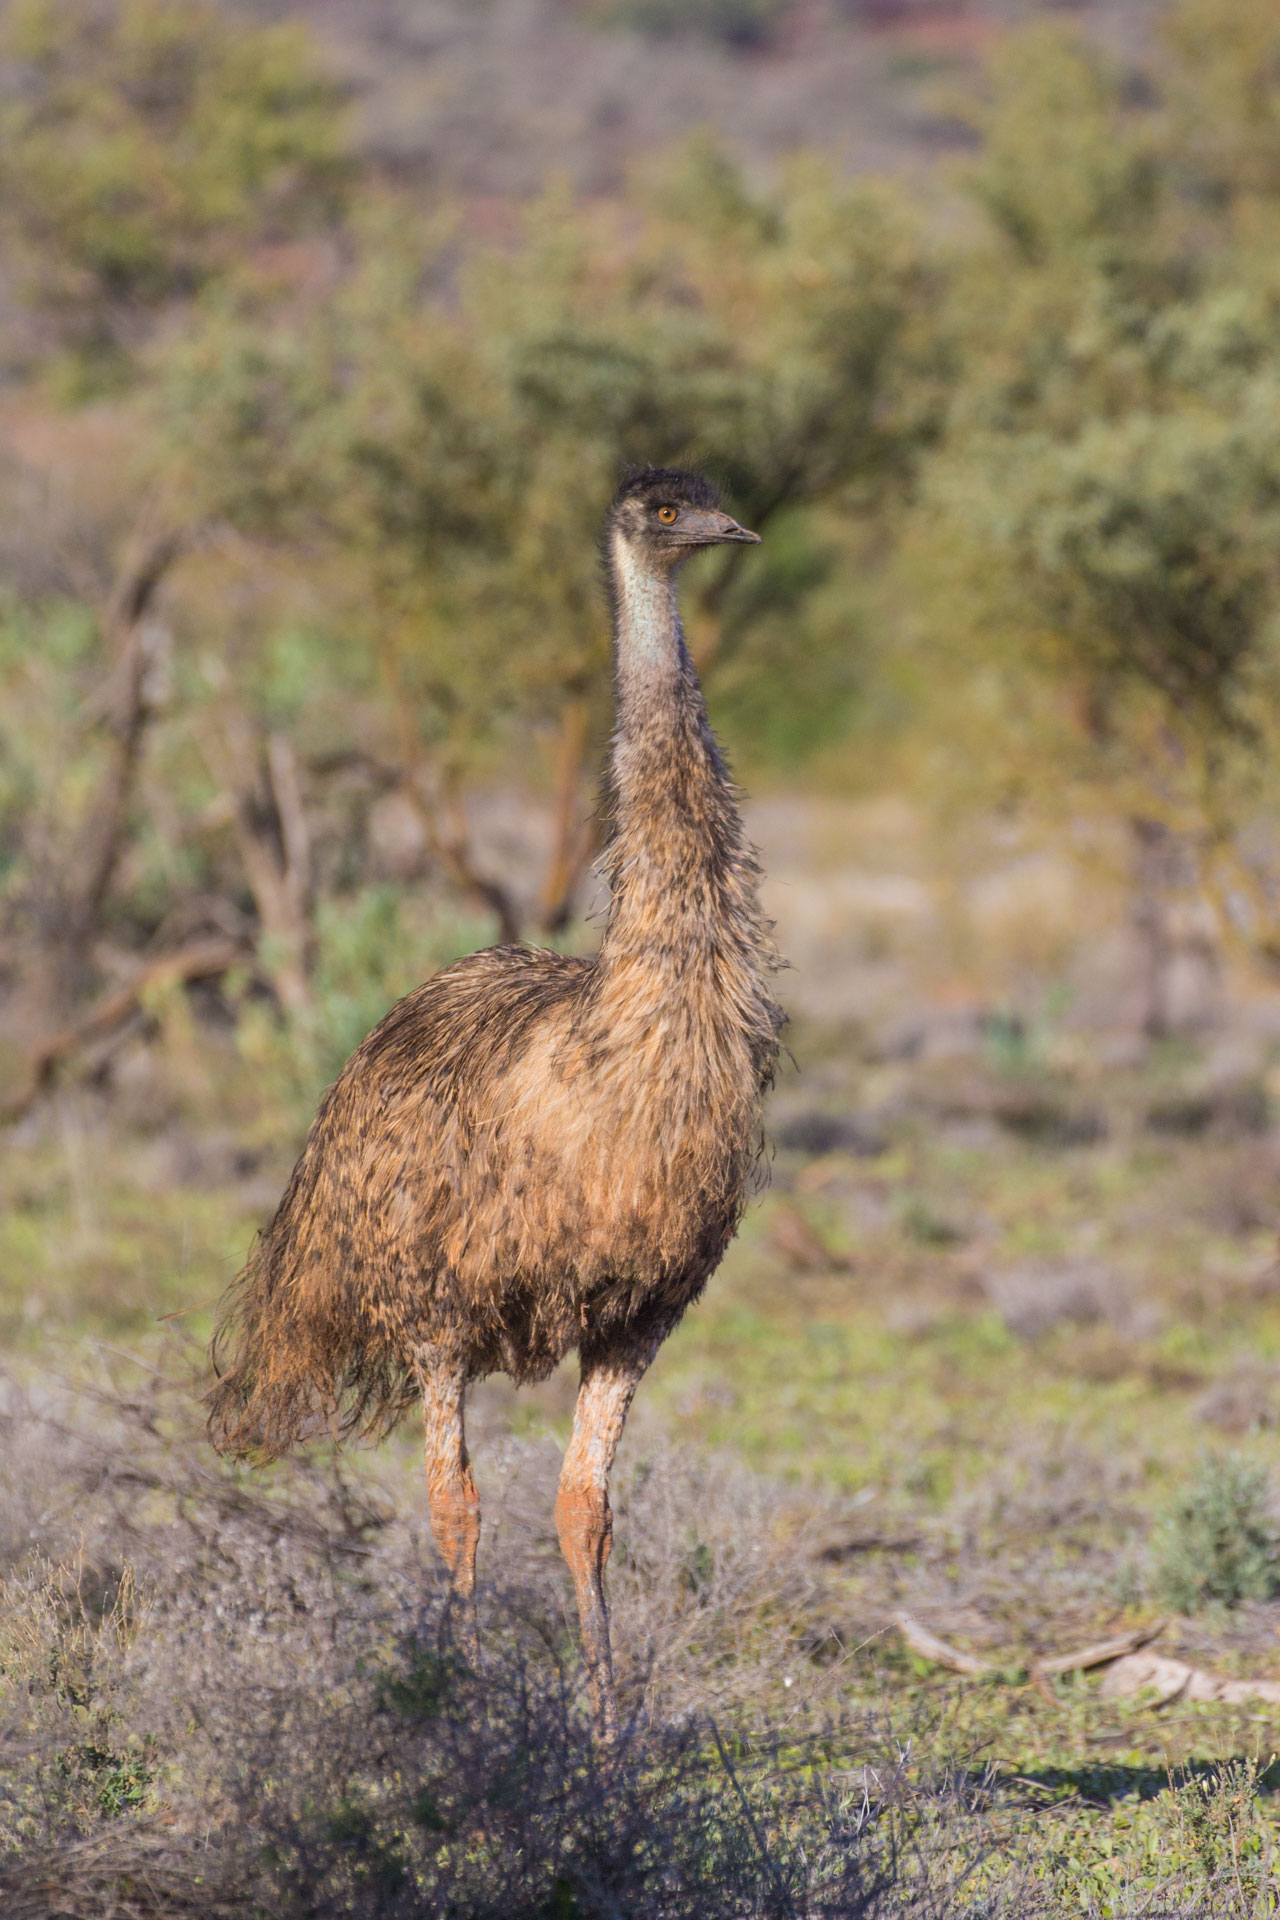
<point x="303" y="692"/>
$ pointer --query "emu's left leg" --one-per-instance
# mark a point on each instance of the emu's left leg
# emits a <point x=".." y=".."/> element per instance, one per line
<point x="584" y="1522"/>
<point x="451" y="1492"/>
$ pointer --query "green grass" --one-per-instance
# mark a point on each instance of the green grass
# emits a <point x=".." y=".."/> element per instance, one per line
<point x="89" y="1250"/>
<point x="898" y="1383"/>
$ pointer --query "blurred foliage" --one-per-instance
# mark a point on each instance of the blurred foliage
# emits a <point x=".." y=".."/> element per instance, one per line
<point x="1217" y="1540"/>
<point x="144" y="144"/>
<point x="1097" y="551"/>
<point x="455" y="450"/>
<point x="372" y="947"/>
<point x="1224" y="85"/>
<point x="738" y="23"/>
<point x="1018" y="472"/>
<point x="1113" y="446"/>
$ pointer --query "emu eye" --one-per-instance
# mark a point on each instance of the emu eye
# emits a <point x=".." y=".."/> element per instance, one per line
<point x="667" y="515"/>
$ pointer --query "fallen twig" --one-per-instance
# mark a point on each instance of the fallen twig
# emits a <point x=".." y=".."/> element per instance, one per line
<point x="1099" y="1654"/>
<point x="857" y="1543"/>
<point x="1171" y="1680"/>
<point x="941" y="1652"/>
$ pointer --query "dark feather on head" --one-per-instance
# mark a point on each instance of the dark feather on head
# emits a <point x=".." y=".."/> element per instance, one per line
<point x="674" y="484"/>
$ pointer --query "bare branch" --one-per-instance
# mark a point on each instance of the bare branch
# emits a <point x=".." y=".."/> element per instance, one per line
<point x="202" y="960"/>
<point x="274" y="842"/>
<point x="575" y="841"/>
<point x="941" y="1652"/>
<point x="1100" y="1652"/>
<point x="139" y="645"/>
<point x="449" y="836"/>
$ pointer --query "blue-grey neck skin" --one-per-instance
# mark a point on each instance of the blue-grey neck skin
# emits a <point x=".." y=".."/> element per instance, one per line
<point x="650" y="653"/>
<point x="661" y="735"/>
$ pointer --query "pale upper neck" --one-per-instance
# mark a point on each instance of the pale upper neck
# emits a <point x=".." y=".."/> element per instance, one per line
<point x="672" y="808"/>
<point x="649" y="641"/>
<point x="684" y="915"/>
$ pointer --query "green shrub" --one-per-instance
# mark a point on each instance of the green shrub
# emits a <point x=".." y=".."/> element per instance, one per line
<point x="1217" y="1539"/>
<point x="738" y="23"/>
<point x="371" y="948"/>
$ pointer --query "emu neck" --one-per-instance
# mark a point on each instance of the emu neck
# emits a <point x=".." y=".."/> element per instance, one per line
<point x="650" y="655"/>
<point x="683" y="878"/>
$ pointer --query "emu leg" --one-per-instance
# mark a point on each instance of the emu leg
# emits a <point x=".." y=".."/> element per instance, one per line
<point x="451" y="1495"/>
<point x="584" y="1522"/>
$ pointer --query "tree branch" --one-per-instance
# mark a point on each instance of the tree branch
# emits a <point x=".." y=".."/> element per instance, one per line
<point x="270" y="826"/>
<point x="449" y="837"/>
<point x="139" y="645"/>
<point x="202" y="960"/>
<point x="574" y="841"/>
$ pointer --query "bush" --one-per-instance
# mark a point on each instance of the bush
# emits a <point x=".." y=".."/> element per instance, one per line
<point x="371" y="948"/>
<point x="144" y="144"/>
<point x="736" y="23"/>
<point x="1217" y="1540"/>
<point x="225" y="1693"/>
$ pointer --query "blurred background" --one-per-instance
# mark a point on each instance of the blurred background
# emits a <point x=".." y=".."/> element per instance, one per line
<point x="324" y="330"/>
<point x="323" y="334"/>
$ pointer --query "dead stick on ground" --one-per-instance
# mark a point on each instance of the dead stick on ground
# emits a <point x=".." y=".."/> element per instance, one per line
<point x="941" y="1652"/>
<point x="1099" y="1654"/>
<point x="1167" y="1680"/>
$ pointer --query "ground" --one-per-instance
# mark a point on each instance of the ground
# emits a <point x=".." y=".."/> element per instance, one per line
<point x="1012" y="1280"/>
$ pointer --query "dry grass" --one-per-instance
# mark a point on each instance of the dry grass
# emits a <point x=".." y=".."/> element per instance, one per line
<point x="226" y="1694"/>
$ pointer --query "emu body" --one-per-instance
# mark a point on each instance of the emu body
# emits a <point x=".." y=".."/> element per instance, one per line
<point x="534" y="1153"/>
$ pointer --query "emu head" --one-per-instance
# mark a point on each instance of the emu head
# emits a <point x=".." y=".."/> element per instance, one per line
<point x="663" y="514"/>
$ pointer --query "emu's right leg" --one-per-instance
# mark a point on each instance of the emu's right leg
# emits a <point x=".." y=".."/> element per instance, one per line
<point x="451" y="1493"/>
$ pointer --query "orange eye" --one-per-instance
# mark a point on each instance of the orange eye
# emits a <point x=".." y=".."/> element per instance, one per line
<point x="667" y="515"/>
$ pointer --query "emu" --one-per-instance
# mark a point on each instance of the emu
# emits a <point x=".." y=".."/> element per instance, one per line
<point x="534" y="1152"/>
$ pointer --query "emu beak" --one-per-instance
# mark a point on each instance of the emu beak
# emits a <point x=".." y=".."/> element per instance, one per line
<point x="707" y="527"/>
<point x="732" y="531"/>
<point x="713" y="528"/>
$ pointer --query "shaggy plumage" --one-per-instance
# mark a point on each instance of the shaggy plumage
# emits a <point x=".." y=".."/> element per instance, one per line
<point x="533" y="1153"/>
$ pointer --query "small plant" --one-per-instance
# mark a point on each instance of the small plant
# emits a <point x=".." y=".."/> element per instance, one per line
<point x="699" y="1567"/>
<point x="1219" y="1831"/>
<point x="1021" y="1044"/>
<point x="371" y="947"/>
<point x="920" y="1223"/>
<point x="419" y="1689"/>
<point x="112" y="1781"/>
<point x="735" y="23"/>
<point x="1217" y="1540"/>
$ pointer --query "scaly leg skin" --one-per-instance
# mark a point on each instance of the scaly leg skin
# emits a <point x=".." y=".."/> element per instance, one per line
<point x="451" y="1494"/>
<point x="584" y="1522"/>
